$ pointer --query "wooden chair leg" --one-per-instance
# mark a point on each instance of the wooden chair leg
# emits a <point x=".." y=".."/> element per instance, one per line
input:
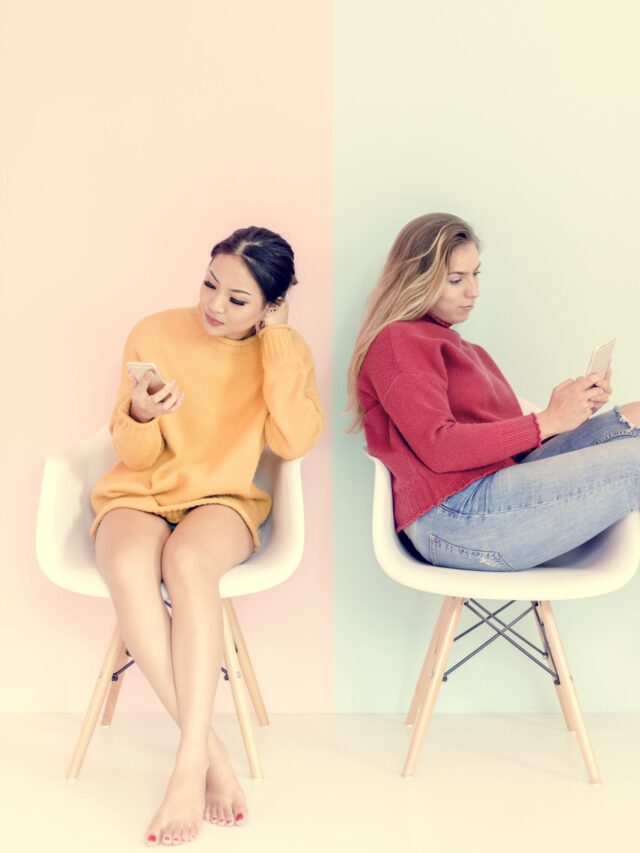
<point x="450" y="623"/>
<point x="114" y="690"/>
<point x="95" y="704"/>
<point x="239" y="698"/>
<point x="561" y="690"/>
<point x="573" y="703"/>
<point x="245" y="664"/>
<point x="427" y="666"/>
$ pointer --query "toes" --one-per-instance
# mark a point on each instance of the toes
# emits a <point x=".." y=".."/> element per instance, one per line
<point x="152" y="838"/>
<point x="228" y="815"/>
<point x="240" y="815"/>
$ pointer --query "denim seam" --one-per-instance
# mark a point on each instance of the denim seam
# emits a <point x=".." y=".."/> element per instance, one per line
<point x="557" y="499"/>
<point x="634" y="432"/>
<point x="434" y="538"/>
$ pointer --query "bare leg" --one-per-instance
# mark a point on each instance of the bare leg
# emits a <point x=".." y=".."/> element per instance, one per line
<point x="209" y="541"/>
<point x="129" y="547"/>
<point x="631" y="411"/>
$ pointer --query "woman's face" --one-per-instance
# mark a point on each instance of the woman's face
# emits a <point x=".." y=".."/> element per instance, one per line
<point x="231" y="302"/>
<point x="461" y="286"/>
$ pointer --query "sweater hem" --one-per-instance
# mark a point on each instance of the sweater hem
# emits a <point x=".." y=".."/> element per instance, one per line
<point x="404" y="525"/>
<point x="176" y="512"/>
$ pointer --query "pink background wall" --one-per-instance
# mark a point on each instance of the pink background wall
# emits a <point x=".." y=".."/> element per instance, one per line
<point x="140" y="134"/>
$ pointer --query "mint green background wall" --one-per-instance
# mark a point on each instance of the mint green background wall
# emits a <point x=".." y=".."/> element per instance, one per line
<point x="523" y="119"/>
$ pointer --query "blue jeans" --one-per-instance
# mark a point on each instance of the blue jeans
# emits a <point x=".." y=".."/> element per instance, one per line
<point x="558" y="496"/>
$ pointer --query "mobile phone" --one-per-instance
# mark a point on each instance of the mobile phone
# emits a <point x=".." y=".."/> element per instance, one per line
<point x="138" y="370"/>
<point x="600" y="358"/>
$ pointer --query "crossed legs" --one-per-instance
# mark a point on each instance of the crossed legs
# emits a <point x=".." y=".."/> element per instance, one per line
<point x="180" y="656"/>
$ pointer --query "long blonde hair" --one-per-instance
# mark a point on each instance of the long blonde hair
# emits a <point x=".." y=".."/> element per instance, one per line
<point x="411" y="282"/>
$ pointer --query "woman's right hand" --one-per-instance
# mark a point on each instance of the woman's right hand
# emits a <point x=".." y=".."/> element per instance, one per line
<point x="145" y="407"/>
<point x="570" y="405"/>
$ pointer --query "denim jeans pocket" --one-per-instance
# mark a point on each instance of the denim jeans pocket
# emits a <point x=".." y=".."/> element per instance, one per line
<point x="443" y="553"/>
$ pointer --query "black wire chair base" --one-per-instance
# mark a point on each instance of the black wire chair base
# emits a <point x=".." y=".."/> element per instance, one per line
<point x="502" y="629"/>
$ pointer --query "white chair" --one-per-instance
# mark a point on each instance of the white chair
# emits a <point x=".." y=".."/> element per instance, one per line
<point x="605" y="563"/>
<point x="65" y="554"/>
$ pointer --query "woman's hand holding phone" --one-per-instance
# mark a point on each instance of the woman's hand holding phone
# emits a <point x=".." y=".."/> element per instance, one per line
<point x="145" y="406"/>
<point x="573" y="402"/>
<point x="604" y="384"/>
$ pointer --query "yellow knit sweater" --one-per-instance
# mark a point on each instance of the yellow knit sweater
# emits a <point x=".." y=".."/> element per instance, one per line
<point x="238" y="395"/>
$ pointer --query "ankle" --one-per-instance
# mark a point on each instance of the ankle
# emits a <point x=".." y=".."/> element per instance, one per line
<point x="216" y="745"/>
<point x="192" y="754"/>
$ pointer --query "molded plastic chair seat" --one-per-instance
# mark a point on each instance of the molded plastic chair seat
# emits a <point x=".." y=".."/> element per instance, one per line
<point x="601" y="565"/>
<point x="65" y="549"/>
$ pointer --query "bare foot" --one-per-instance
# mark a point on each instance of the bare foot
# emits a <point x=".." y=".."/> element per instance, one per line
<point x="179" y="818"/>
<point x="224" y="798"/>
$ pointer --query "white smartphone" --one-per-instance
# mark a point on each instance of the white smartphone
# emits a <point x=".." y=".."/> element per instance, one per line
<point x="600" y="358"/>
<point x="139" y="368"/>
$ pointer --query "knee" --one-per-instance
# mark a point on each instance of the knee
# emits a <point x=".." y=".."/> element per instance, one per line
<point x="630" y="413"/>
<point x="185" y="566"/>
<point x="127" y="568"/>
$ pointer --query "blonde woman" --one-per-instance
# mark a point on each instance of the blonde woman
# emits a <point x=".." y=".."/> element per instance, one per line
<point x="181" y="506"/>
<point x="476" y="483"/>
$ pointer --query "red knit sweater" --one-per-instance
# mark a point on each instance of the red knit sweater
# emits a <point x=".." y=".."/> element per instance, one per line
<point x="438" y="412"/>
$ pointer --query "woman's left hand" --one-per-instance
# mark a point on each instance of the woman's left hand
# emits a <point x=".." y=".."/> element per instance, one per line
<point x="274" y="315"/>
<point x="604" y="384"/>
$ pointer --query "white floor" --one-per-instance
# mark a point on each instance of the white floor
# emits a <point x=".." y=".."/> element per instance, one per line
<point x="333" y="784"/>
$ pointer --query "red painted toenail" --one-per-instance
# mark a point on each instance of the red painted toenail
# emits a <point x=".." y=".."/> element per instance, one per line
<point x="152" y="838"/>
<point x="239" y="816"/>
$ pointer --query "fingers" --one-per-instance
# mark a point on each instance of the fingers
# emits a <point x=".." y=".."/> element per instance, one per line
<point x="144" y="381"/>
<point x="165" y="401"/>
<point x="590" y="380"/>
<point x="176" y="405"/>
<point x="166" y="391"/>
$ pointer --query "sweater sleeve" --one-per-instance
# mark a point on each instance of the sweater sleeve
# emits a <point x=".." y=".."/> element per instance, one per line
<point x="419" y="407"/>
<point x="294" y="421"/>
<point x="138" y="445"/>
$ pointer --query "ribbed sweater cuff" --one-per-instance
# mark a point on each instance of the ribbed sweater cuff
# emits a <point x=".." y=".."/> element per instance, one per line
<point x="538" y="430"/>
<point x="277" y="343"/>
<point x="521" y="434"/>
<point x="134" y="428"/>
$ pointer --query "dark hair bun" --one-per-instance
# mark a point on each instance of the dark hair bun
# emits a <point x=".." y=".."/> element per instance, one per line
<point x="267" y="255"/>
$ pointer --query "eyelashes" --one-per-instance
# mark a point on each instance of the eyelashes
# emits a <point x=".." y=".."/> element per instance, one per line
<point x="212" y="286"/>
<point x="458" y="280"/>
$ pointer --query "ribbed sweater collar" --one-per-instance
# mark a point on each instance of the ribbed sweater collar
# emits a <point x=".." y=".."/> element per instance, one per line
<point x="430" y="316"/>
